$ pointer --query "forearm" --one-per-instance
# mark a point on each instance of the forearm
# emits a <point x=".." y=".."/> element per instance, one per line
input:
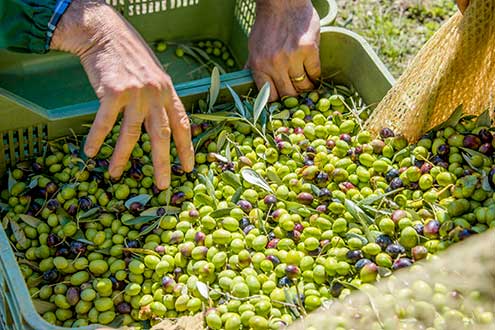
<point x="279" y="5"/>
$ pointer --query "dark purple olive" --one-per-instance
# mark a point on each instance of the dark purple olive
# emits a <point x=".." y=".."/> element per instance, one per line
<point x="413" y="186"/>
<point x="62" y="251"/>
<point x="51" y="276"/>
<point x="72" y="296"/>
<point x="305" y="198"/>
<point x="361" y="263"/>
<point x="402" y="263"/>
<point x="324" y="194"/>
<point x="321" y="178"/>
<point x="52" y="240"/>
<point x="72" y="210"/>
<point x="136" y="173"/>
<point x="419" y="228"/>
<point x="472" y="142"/>
<point x="244" y="222"/>
<point x="292" y="272"/>
<point x="358" y="150"/>
<point x="386" y="133"/>
<point x="392" y="174"/>
<point x="133" y="244"/>
<point x="275" y="260"/>
<point x="355" y="255"/>
<point x="51" y="188"/>
<point x="436" y="159"/>
<point x="37" y="167"/>
<point x="485" y="136"/>
<point x="398" y="214"/>
<point x="177" y="272"/>
<point x="284" y="281"/>
<point x="177" y="170"/>
<point x="394" y="250"/>
<point x="345" y="137"/>
<point x="124" y="308"/>
<point x="431" y="229"/>
<point x="309" y="102"/>
<point x="136" y="207"/>
<point x="346" y="186"/>
<point x="270" y="199"/>
<point x="336" y="289"/>
<point x="486" y="149"/>
<point x="77" y="247"/>
<point x="168" y="282"/>
<point x="419" y="252"/>
<point x="160" y="211"/>
<point x="248" y="228"/>
<point x="383" y="241"/>
<point x="491" y="177"/>
<point x="245" y="205"/>
<point x="443" y="150"/>
<point x="155" y="189"/>
<point x="178" y="198"/>
<point x="85" y="203"/>
<point x="465" y="233"/>
<point x="396" y="183"/>
<point x="308" y="162"/>
<point x="102" y="163"/>
<point x="330" y="144"/>
<point x="311" y="150"/>
<point x="418" y="163"/>
<point x="194" y="214"/>
<point x="308" y="118"/>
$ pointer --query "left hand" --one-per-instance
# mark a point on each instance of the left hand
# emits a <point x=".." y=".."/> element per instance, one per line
<point x="284" y="46"/>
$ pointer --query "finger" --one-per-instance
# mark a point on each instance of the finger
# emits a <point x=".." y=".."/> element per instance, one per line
<point x="284" y="84"/>
<point x="299" y="78"/>
<point x="260" y="79"/>
<point x="157" y="126"/>
<point x="312" y="66"/>
<point x="181" y="130"/>
<point x="101" y="127"/>
<point x="129" y="135"/>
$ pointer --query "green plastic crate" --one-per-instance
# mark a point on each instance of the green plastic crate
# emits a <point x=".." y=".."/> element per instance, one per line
<point x="345" y="57"/>
<point x="42" y="95"/>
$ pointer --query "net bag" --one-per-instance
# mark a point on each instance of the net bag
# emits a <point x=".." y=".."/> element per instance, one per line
<point x="455" y="67"/>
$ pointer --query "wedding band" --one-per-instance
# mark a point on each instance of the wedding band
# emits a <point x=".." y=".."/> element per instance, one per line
<point x="299" y="79"/>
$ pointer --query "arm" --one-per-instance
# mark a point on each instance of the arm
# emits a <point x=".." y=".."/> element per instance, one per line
<point x="284" y="46"/>
<point x="24" y="24"/>
<point x="127" y="78"/>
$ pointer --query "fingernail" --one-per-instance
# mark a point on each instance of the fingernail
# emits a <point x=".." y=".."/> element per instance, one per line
<point x="117" y="171"/>
<point x="90" y="151"/>
<point x="163" y="183"/>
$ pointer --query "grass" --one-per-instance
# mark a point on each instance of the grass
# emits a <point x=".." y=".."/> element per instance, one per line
<point x="396" y="29"/>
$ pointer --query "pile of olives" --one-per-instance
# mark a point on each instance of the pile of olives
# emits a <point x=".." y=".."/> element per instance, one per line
<point x="278" y="216"/>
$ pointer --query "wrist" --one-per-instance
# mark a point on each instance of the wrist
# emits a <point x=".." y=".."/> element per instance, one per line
<point x="281" y="5"/>
<point x="84" y="25"/>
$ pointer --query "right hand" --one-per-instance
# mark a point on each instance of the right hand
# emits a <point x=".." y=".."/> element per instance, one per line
<point x="128" y="78"/>
<point x="462" y="4"/>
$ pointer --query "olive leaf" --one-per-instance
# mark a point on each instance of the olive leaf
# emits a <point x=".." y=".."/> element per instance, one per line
<point x="361" y="216"/>
<point x="260" y="102"/>
<point x="272" y="176"/>
<point x="140" y="220"/>
<point x="363" y="239"/>
<point x="227" y="152"/>
<point x="315" y="190"/>
<point x="214" y="88"/>
<point x="231" y="179"/>
<point x="254" y="178"/>
<point x="217" y="116"/>
<point x="11" y="182"/>
<point x="151" y="211"/>
<point x="237" y="195"/>
<point x="201" y="199"/>
<point x="220" y="213"/>
<point x="203" y="289"/>
<point x="141" y="251"/>
<point x="472" y="152"/>
<point x="30" y="220"/>
<point x="485" y="182"/>
<point x="150" y="228"/>
<point x="222" y="138"/>
<point x="34" y="181"/>
<point x="142" y="199"/>
<point x="208" y="183"/>
<point x="89" y="213"/>
<point x="484" y="119"/>
<point x="453" y="119"/>
<point x="237" y="101"/>
<point x="43" y="307"/>
<point x="4" y="207"/>
<point x="19" y="235"/>
<point x="375" y="198"/>
<point x="79" y="236"/>
<point x="282" y="115"/>
<point x="289" y="298"/>
<point x="171" y="210"/>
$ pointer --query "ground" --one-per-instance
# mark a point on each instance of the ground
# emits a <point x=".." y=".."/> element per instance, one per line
<point x="396" y="29"/>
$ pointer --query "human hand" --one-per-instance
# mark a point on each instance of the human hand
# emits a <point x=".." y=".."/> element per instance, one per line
<point x="284" y="46"/>
<point x="128" y="78"/>
<point x="462" y="4"/>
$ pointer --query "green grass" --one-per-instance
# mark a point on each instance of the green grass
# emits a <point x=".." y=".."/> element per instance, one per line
<point x="396" y="29"/>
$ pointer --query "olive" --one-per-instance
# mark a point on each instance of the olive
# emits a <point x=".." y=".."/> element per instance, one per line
<point x="471" y="141"/>
<point x="123" y="308"/>
<point x="391" y="174"/>
<point x="51" y="276"/>
<point x="361" y="263"/>
<point x="52" y="240"/>
<point x="395" y="250"/>
<point x="284" y="281"/>
<point x="85" y="203"/>
<point x="52" y="205"/>
<point x="402" y="263"/>
<point x="245" y="205"/>
<point x="383" y="241"/>
<point x="386" y="133"/>
<point x="77" y="247"/>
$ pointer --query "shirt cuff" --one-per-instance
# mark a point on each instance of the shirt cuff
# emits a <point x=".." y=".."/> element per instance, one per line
<point x="41" y="13"/>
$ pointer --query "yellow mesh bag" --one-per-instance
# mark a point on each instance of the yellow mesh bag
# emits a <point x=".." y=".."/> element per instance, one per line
<point x="455" y="67"/>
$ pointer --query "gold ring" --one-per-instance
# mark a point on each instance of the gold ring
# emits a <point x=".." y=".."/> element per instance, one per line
<point x="299" y="78"/>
